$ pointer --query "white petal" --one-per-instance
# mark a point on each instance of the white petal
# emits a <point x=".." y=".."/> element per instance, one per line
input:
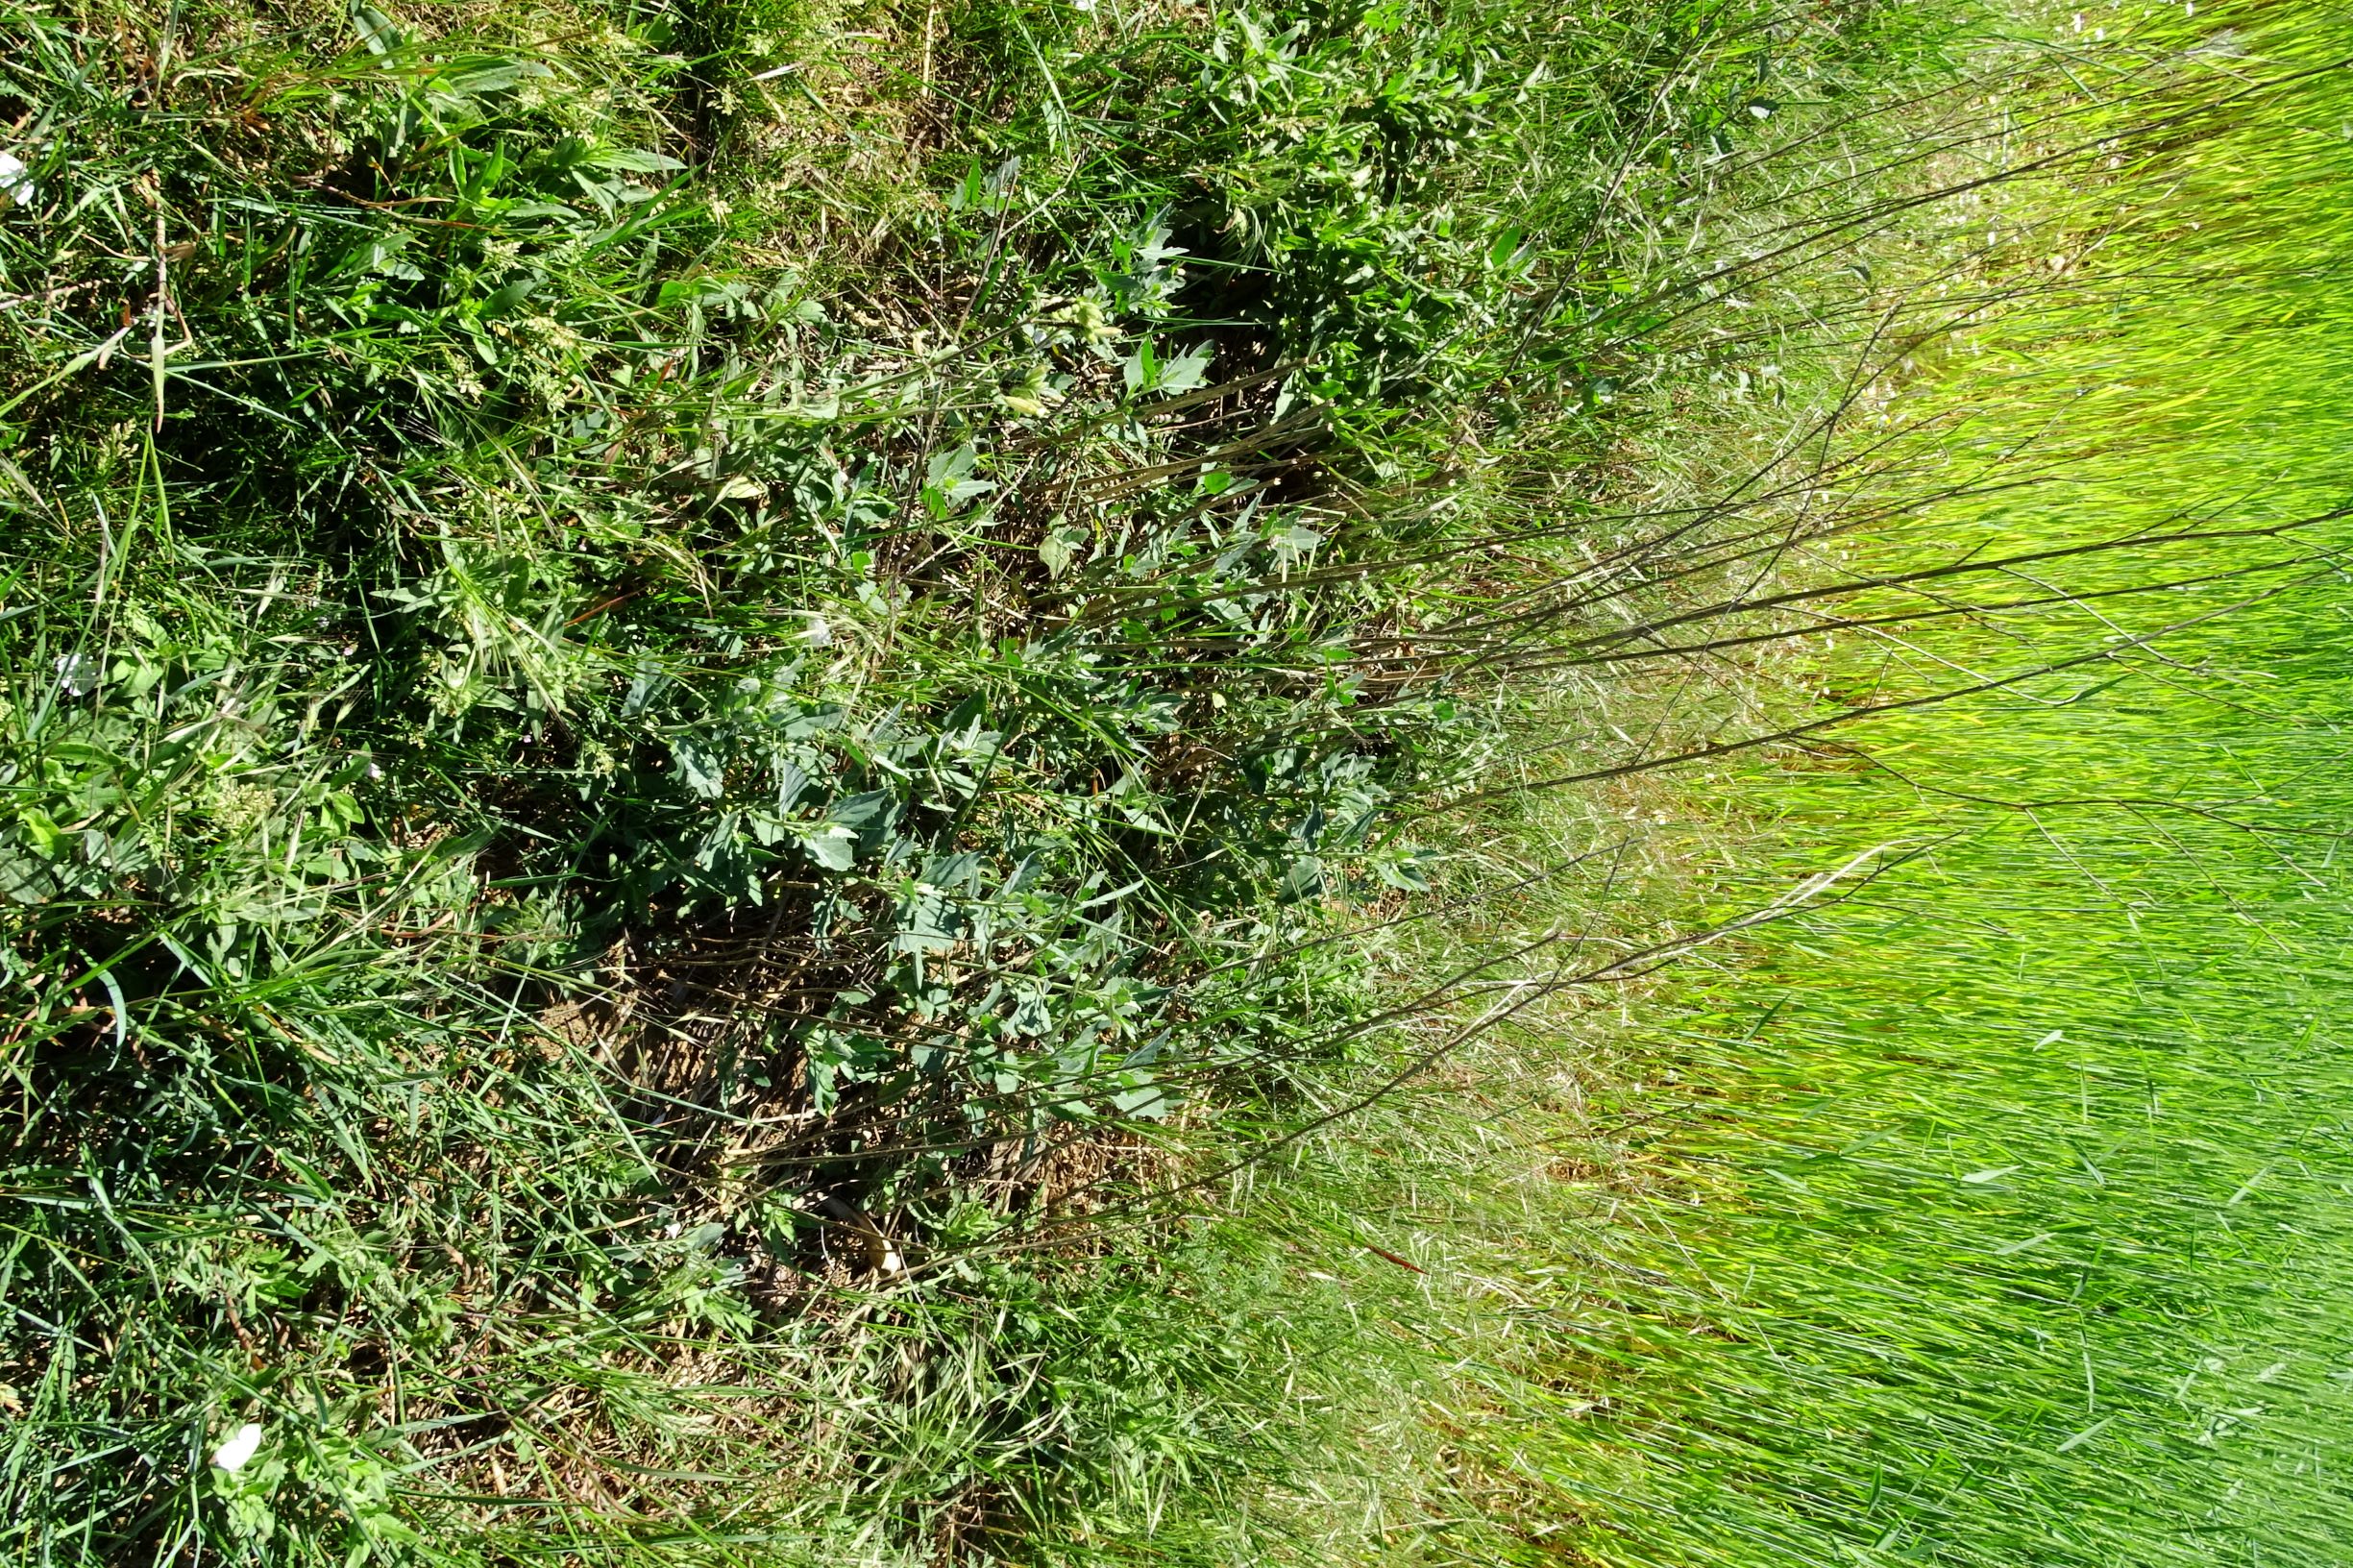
<point x="241" y="1446"/>
<point x="16" y="180"/>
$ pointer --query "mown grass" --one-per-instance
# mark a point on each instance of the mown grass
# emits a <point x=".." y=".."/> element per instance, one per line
<point x="703" y="700"/>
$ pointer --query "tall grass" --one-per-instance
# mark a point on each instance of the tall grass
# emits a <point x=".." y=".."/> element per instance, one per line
<point x="1989" y="1211"/>
<point x="698" y="695"/>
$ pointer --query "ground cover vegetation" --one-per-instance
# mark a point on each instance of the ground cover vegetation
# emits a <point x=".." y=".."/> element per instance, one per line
<point x="1986" y="1211"/>
<point x="697" y="696"/>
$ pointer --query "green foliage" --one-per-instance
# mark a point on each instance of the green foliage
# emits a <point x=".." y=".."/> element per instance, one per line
<point x="631" y="746"/>
<point x="1988" y="1210"/>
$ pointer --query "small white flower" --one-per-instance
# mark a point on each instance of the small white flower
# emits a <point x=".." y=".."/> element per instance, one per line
<point x="243" y="1443"/>
<point x="77" y="674"/>
<point x="17" y="185"/>
<point x="671" y="1231"/>
<point x="821" y="632"/>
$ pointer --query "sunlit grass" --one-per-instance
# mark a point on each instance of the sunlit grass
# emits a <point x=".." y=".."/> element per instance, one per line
<point x="706" y="704"/>
<point x="1993" y="1212"/>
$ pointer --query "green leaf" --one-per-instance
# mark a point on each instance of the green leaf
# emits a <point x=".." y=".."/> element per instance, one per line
<point x="1304" y="881"/>
<point x="506" y="298"/>
<point x="701" y="763"/>
<point x="1059" y="548"/>
<point x="376" y="30"/>
<point x="1148" y="1102"/>
<point x="831" y="845"/>
<point x="42" y="829"/>
<point x="1141" y="370"/>
<point x="1186" y="370"/>
<point x="632" y="160"/>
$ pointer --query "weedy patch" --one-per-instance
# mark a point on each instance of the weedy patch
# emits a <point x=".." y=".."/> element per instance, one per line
<point x="685" y="684"/>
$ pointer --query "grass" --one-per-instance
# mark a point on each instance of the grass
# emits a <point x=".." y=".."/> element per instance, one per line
<point x="704" y="701"/>
<point x="2042" y="1117"/>
<point x="1985" y="1212"/>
